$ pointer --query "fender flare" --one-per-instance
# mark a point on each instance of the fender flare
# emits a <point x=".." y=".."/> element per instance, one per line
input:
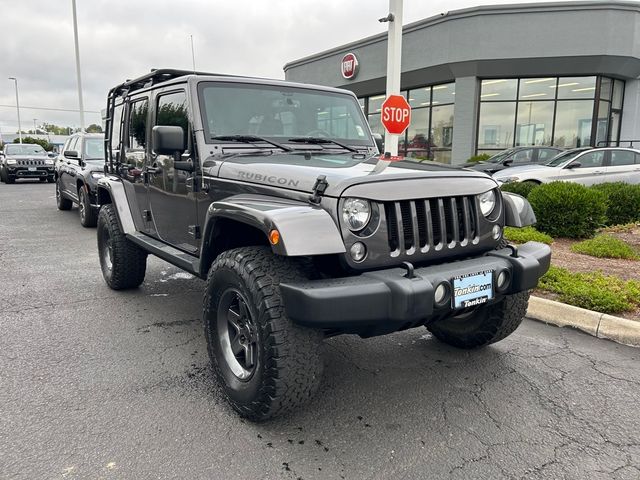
<point x="114" y="190"/>
<point x="305" y="230"/>
<point x="517" y="211"/>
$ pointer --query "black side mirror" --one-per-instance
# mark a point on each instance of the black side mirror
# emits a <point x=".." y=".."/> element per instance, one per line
<point x="379" y="139"/>
<point x="574" y="165"/>
<point x="507" y="162"/>
<point x="168" y="140"/>
<point x="72" y="154"/>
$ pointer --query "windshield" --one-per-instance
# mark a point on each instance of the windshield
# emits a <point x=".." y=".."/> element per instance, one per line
<point x="563" y="157"/>
<point x="24" y="149"/>
<point x="94" y="149"/>
<point x="281" y="113"/>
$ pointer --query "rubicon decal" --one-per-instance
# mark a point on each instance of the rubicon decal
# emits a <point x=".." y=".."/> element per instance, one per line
<point x="257" y="177"/>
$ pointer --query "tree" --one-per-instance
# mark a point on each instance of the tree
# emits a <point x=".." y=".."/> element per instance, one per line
<point x="43" y="143"/>
<point x="94" y="128"/>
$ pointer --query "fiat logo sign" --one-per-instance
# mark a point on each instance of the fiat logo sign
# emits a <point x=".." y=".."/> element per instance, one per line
<point x="349" y="66"/>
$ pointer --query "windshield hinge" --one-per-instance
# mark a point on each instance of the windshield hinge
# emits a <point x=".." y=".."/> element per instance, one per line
<point x="318" y="189"/>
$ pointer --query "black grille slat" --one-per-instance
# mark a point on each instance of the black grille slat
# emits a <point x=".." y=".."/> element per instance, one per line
<point x="422" y="224"/>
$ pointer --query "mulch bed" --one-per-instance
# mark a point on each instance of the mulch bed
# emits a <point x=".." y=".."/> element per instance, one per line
<point x="562" y="256"/>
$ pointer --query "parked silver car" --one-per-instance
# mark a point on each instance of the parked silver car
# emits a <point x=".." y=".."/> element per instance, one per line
<point x="580" y="165"/>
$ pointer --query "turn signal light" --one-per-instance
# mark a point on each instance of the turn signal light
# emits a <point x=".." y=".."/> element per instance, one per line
<point x="274" y="237"/>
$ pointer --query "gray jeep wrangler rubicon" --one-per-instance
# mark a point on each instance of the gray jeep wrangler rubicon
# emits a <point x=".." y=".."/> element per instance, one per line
<point x="275" y="193"/>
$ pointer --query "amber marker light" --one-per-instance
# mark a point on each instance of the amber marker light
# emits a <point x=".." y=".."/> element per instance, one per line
<point x="274" y="237"/>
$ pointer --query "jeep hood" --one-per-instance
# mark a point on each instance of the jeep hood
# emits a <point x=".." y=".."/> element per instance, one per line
<point x="346" y="175"/>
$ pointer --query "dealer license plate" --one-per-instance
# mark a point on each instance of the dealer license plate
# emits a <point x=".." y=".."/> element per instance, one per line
<point x="32" y="169"/>
<point x="472" y="289"/>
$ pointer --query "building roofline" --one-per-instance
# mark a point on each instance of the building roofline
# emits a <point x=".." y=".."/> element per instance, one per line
<point x="473" y="12"/>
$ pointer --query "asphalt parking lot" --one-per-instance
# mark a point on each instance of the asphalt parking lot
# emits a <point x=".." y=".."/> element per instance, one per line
<point x="101" y="384"/>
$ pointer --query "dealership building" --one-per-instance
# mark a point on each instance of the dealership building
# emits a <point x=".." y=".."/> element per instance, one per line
<point x="483" y="79"/>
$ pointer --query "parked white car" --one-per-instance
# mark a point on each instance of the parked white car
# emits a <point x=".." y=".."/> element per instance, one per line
<point x="585" y="166"/>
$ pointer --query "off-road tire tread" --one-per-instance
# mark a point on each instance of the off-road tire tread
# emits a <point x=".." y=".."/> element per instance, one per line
<point x="292" y="355"/>
<point x="502" y="319"/>
<point x="129" y="260"/>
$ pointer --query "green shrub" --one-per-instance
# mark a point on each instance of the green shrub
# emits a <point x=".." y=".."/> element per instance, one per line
<point x="521" y="188"/>
<point x="594" y="291"/>
<point x="483" y="157"/>
<point x="566" y="209"/>
<point x="623" y="202"/>
<point x="606" y="246"/>
<point x="526" y="234"/>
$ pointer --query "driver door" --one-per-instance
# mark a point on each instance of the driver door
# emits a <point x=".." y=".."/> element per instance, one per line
<point x="171" y="192"/>
<point x="587" y="169"/>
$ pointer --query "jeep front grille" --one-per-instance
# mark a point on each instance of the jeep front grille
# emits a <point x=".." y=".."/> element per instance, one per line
<point x="30" y="162"/>
<point x="433" y="223"/>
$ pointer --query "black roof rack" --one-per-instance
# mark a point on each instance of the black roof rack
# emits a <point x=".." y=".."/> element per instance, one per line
<point x="155" y="76"/>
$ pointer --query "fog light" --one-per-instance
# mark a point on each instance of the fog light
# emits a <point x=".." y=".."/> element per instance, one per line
<point x="441" y="294"/>
<point x="358" y="251"/>
<point x="497" y="232"/>
<point x="503" y="280"/>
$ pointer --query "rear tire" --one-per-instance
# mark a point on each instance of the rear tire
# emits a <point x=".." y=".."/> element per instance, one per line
<point x="123" y="263"/>
<point x="62" y="202"/>
<point x="484" y="325"/>
<point x="88" y="215"/>
<point x="266" y="364"/>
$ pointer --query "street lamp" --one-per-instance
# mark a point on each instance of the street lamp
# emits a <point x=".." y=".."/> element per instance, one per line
<point x="17" y="108"/>
<point x="79" y="76"/>
<point x="35" y="129"/>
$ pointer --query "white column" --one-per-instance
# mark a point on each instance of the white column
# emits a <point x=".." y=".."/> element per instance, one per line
<point x="394" y="54"/>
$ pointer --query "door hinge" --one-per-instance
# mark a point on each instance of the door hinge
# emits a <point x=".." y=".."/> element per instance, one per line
<point x="146" y="215"/>
<point x="194" y="231"/>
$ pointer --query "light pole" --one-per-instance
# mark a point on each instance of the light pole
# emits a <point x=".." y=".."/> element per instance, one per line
<point x="35" y="129"/>
<point x="75" y="37"/>
<point x="17" y="108"/>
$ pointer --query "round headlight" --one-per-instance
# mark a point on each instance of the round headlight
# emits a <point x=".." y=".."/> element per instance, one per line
<point x="487" y="202"/>
<point x="356" y="213"/>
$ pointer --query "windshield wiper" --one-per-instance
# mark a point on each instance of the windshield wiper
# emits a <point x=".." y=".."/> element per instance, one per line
<point x="321" y="141"/>
<point x="249" y="139"/>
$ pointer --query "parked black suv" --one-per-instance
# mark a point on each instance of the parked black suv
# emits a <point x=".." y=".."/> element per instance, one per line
<point x="25" y="160"/>
<point x="78" y="168"/>
<point x="275" y="193"/>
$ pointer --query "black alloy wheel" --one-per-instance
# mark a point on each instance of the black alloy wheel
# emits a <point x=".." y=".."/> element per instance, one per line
<point x="237" y="334"/>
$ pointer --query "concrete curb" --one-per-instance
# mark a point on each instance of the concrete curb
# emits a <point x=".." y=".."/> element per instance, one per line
<point x="597" y="324"/>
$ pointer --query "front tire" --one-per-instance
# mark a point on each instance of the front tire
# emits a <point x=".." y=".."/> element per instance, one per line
<point x="88" y="215"/>
<point x="265" y="364"/>
<point x="9" y="179"/>
<point x="62" y="202"/>
<point x="484" y="325"/>
<point x="123" y="263"/>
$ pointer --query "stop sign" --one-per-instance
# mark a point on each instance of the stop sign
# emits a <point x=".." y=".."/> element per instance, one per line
<point x="396" y="114"/>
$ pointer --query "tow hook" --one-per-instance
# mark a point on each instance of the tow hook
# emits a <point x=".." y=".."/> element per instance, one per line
<point x="409" y="268"/>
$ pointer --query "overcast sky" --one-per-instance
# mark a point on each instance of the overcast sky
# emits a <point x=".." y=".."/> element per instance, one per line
<point x="123" y="39"/>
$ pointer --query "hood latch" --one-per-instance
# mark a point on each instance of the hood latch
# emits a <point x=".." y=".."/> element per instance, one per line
<point x="318" y="189"/>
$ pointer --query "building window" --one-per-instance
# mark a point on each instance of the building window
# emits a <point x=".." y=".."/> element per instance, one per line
<point x="559" y="111"/>
<point x="430" y="134"/>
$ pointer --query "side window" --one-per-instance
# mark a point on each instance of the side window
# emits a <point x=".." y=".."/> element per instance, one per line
<point x="622" y="157"/>
<point x="523" y="156"/>
<point x="73" y="144"/>
<point x="172" y="111"/>
<point x="545" y="154"/>
<point x="591" y="159"/>
<point x="116" y="126"/>
<point x="65" y="147"/>
<point x="138" y="124"/>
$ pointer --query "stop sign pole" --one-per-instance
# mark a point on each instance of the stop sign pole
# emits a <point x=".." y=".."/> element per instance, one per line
<point x="394" y="53"/>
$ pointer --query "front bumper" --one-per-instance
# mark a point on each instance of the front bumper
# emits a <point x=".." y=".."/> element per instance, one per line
<point x="25" y="172"/>
<point x="388" y="297"/>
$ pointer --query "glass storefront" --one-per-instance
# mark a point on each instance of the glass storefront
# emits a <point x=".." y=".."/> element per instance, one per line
<point x="430" y="134"/>
<point x="561" y="111"/>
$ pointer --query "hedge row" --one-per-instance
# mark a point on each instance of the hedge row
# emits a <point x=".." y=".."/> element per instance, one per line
<point x="565" y="209"/>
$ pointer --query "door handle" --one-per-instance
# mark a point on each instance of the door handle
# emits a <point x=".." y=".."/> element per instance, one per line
<point x="598" y="172"/>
